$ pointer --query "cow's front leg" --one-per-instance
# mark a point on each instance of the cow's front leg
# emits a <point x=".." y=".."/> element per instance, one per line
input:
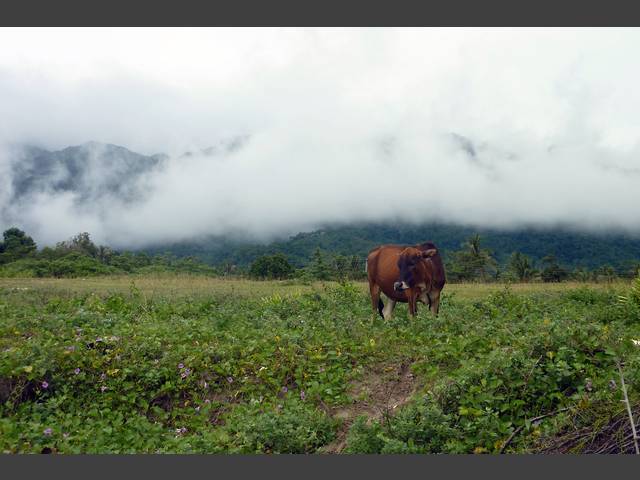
<point x="413" y="302"/>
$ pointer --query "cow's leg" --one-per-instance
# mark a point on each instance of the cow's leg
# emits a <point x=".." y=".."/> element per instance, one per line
<point x="376" y="301"/>
<point x="425" y="298"/>
<point x="388" y="309"/>
<point x="435" y="301"/>
<point x="413" y="307"/>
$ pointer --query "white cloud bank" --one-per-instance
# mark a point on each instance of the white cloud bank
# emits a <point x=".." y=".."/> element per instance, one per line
<point x="344" y="125"/>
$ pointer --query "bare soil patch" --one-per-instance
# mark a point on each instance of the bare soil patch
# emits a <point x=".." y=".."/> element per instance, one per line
<point x="381" y="391"/>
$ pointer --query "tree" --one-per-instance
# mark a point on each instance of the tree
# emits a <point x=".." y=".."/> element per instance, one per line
<point x="472" y="261"/>
<point x="521" y="266"/>
<point x="104" y="254"/>
<point x="581" y="274"/>
<point x="606" y="272"/>
<point x="228" y="268"/>
<point x="271" y="266"/>
<point x="341" y="266"/>
<point x="15" y="245"/>
<point x="81" y="243"/>
<point x="318" y="268"/>
<point x="552" y="271"/>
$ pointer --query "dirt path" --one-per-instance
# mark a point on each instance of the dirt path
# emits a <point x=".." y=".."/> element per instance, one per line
<point x="381" y="391"/>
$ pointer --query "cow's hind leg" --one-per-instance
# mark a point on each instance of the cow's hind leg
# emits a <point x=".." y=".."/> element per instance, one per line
<point x="376" y="301"/>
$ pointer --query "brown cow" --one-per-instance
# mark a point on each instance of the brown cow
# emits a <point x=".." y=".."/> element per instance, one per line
<point x="405" y="274"/>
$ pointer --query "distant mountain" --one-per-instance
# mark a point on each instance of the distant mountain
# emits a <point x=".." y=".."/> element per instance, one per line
<point x="95" y="170"/>
<point x="572" y="248"/>
<point x="90" y="171"/>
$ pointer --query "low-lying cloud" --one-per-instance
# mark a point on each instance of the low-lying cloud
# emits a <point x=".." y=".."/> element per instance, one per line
<point x="497" y="127"/>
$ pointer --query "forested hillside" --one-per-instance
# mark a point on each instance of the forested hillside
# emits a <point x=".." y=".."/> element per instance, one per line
<point x="571" y="248"/>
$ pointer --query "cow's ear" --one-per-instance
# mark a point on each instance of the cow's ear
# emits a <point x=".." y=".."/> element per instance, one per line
<point x="429" y="253"/>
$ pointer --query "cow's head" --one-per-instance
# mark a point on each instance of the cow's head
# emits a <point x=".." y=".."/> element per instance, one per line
<point x="411" y="265"/>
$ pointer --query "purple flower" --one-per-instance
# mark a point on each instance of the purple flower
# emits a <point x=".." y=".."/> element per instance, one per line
<point x="230" y="379"/>
<point x="181" y="366"/>
<point x="302" y="395"/>
<point x="183" y="375"/>
<point x="45" y="384"/>
<point x="103" y="388"/>
<point x="103" y="377"/>
<point x="207" y="401"/>
<point x="187" y="371"/>
<point x="76" y="371"/>
<point x="47" y="432"/>
<point x="285" y="389"/>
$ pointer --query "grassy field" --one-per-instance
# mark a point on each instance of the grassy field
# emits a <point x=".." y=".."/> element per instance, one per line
<point x="177" y="286"/>
<point x="193" y="364"/>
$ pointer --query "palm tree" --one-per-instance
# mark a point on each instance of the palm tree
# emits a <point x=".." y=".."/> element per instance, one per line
<point x="521" y="266"/>
<point x="473" y="261"/>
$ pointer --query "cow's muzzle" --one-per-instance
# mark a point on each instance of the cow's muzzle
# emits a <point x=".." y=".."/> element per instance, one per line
<point x="400" y="286"/>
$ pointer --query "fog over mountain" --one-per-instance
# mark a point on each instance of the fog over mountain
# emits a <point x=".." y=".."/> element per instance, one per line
<point x="160" y="135"/>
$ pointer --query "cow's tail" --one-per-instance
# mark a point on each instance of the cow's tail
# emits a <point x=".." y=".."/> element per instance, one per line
<point x="380" y="307"/>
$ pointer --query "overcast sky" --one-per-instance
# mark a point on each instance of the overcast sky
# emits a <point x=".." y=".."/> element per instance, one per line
<point x="344" y="125"/>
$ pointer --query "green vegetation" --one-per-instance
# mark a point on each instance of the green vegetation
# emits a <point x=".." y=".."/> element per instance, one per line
<point x="15" y="245"/>
<point x="271" y="266"/>
<point x="472" y="262"/>
<point x="573" y="249"/>
<point x="521" y="267"/>
<point x="279" y="367"/>
<point x="80" y="257"/>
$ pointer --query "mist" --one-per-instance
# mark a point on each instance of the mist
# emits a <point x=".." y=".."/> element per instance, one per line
<point x="496" y="127"/>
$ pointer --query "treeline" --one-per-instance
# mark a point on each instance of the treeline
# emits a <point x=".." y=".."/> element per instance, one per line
<point x="80" y="257"/>
<point x="320" y="267"/>
<point x="572" y="249"/>
<point x="471" y="262"/>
